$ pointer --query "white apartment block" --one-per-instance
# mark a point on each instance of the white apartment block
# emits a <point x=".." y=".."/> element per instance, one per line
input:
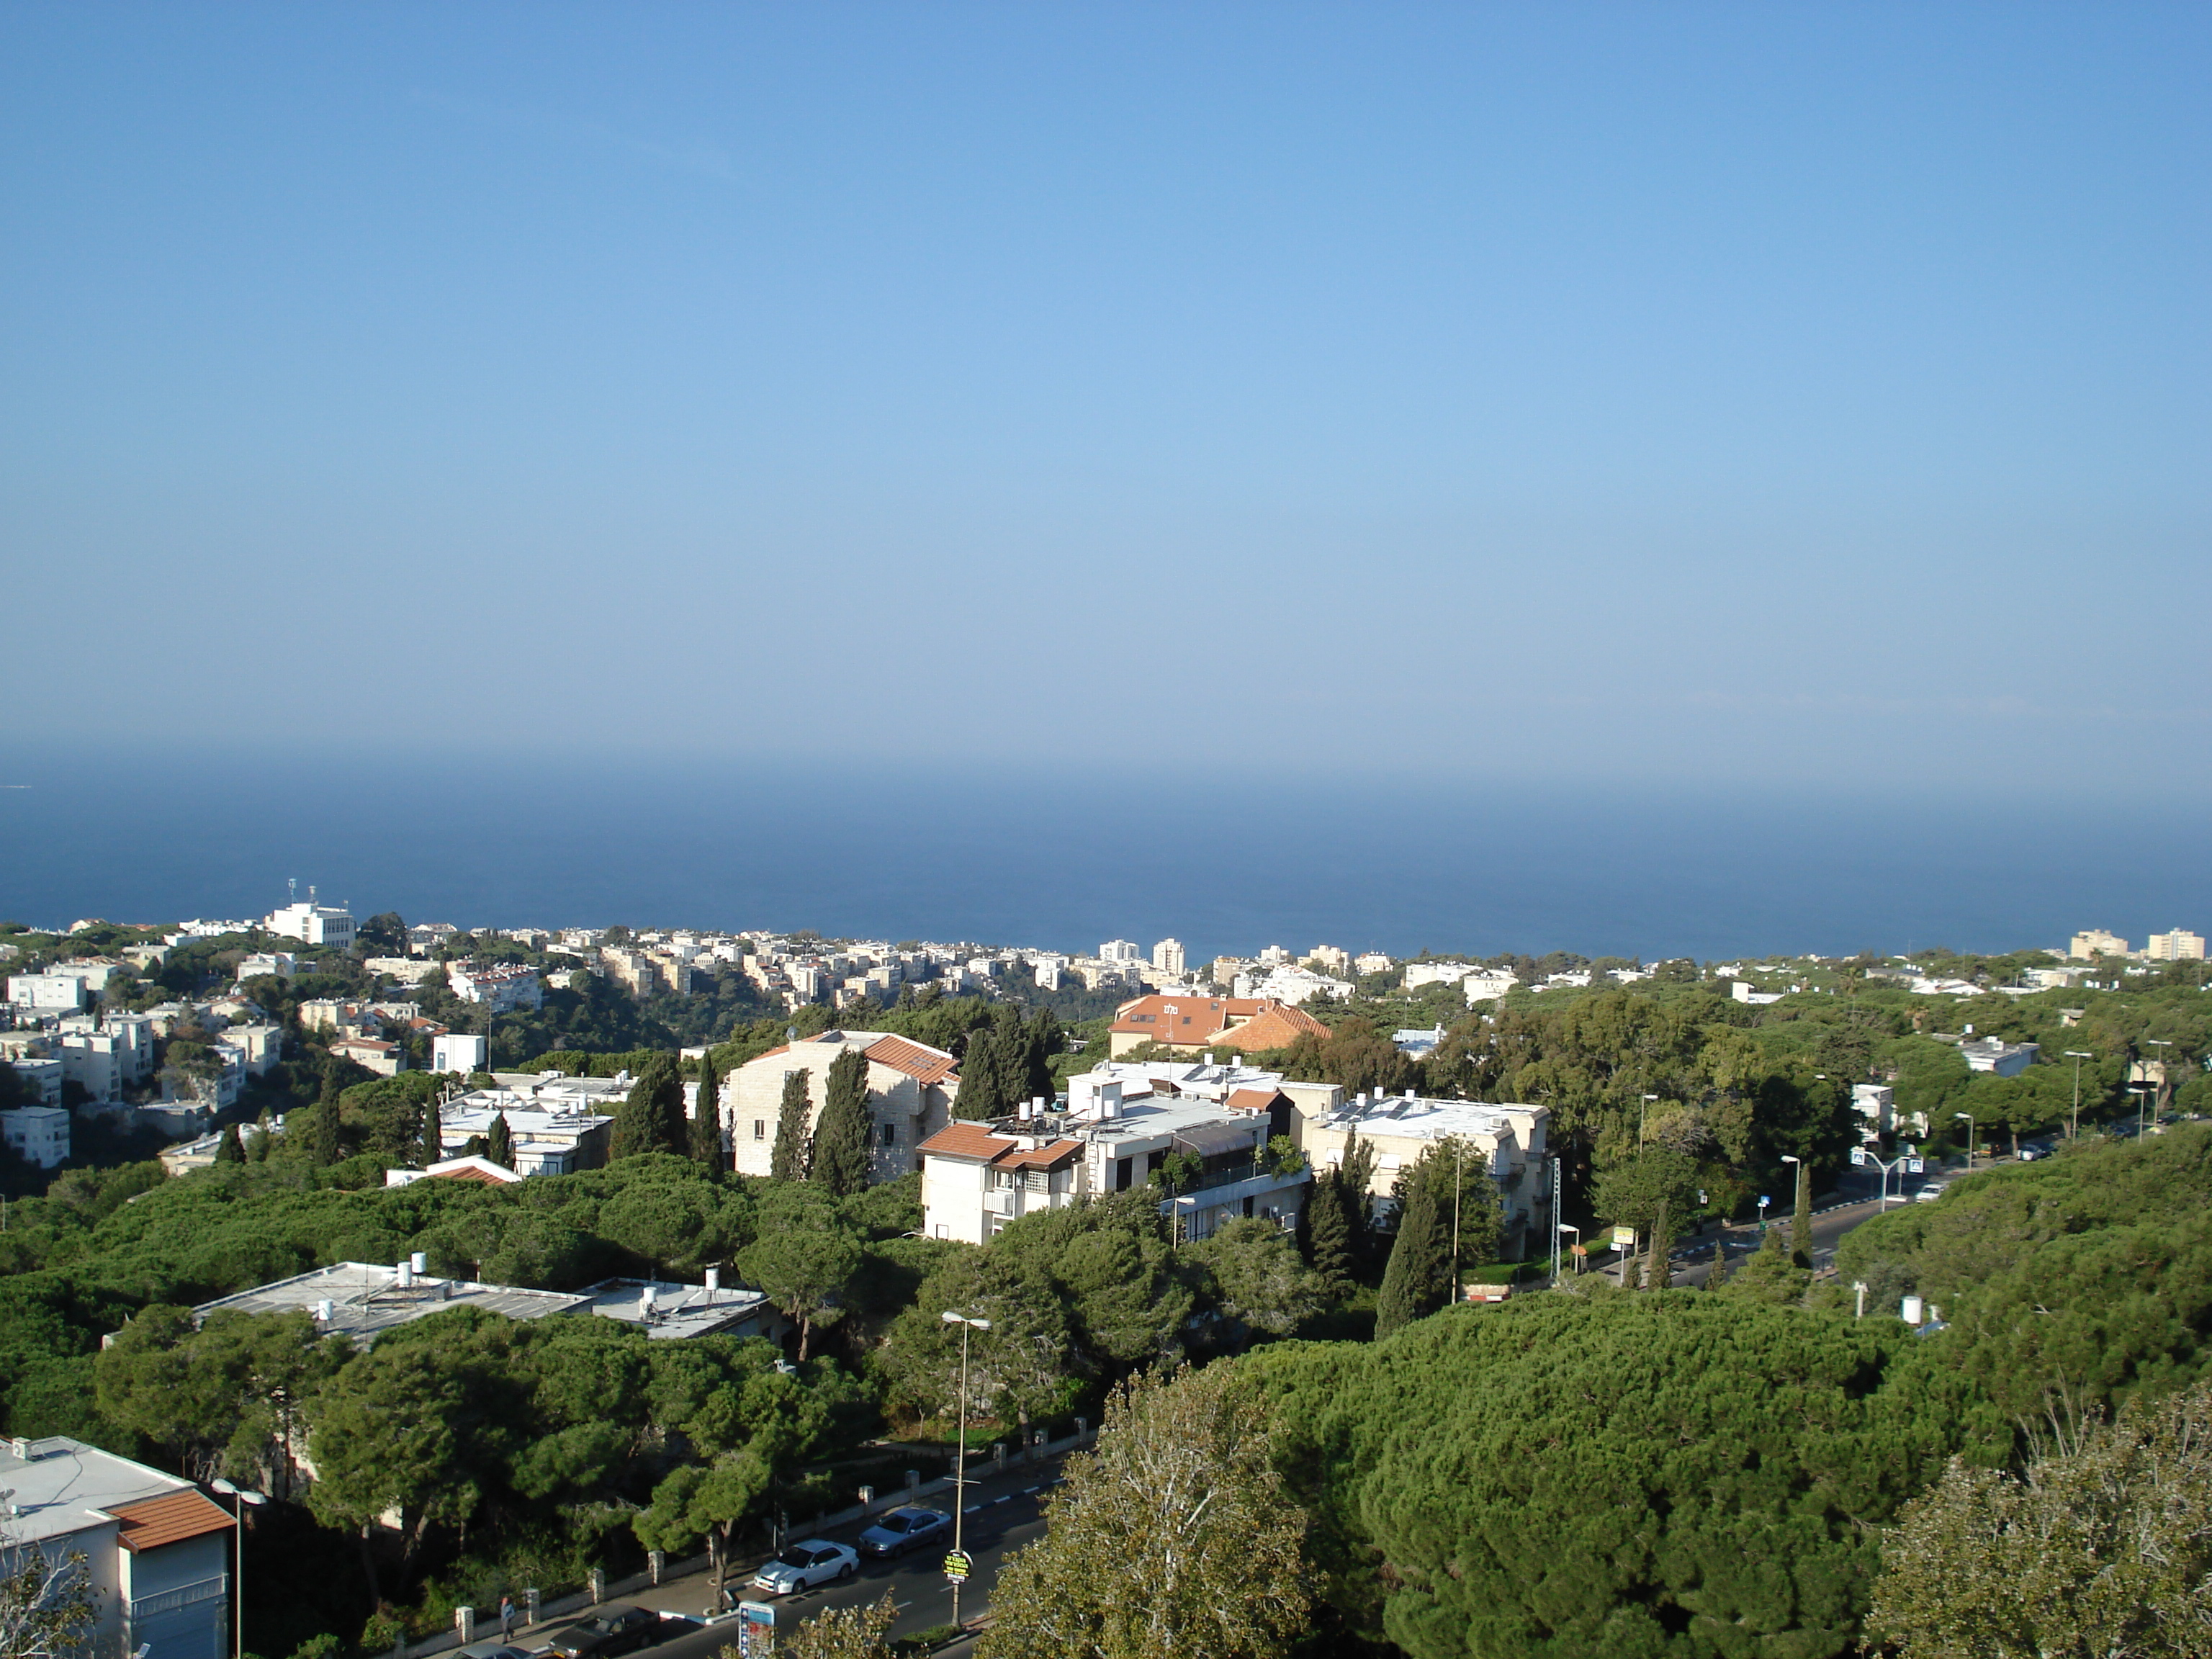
<point x="1374" y="961"/>
<point x="40" y="1076"/>
<point x="40" y="1134"/>
<point x="2177" y="945"/>
<point x="978" y="1178"/>
<point x="2095" y="941"/>
<point x="506" y="987"/>
<point x="1289" y="984"/>
<point x="1510" y="1136"/>
<point x="156" y="1549"/>
<point x="1168" y="956"/>
<point x="47" y="993"/>
<point x="1120" y="950"/>
<point x="457" y="1051"/>
<point x="312" y="924"/>
<point x="911" y="1089"/>
<point x="1876" y="1105"/>
<point x="1419" y="974"/>
<point x="1486" y="985"/>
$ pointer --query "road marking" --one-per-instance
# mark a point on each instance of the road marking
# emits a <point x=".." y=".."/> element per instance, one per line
<point x="1026" y="1491"/>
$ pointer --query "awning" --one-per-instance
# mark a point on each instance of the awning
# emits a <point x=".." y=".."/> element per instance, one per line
<point x="1213" y="1139"/>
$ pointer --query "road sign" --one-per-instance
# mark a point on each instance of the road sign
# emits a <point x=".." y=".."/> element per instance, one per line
<point x="957" y="1566"/>
<point x="756" y="1629"/>
<point x="1623" y="1238"/>
<point x="1915" y="1166"/>
<point x="1859" y="1157"/>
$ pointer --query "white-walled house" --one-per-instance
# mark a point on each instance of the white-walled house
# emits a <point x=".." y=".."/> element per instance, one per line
<point x="40" y="1134"/>
<point x="977" y="1178"/>
<point x="156" y="1548"/>
<point x="911" y="1089"/>
<point x="1401" y="1127"/>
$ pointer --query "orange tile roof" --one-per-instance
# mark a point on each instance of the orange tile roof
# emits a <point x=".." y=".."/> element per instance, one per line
<point x="154" y="1521"/>
<point x="468" y="1172"/>
<point x="1195" y="1018"/>
<point x="1041" y="1157"/>
<point x="1253" y="1100"/>
<point x="918" y="1060"/>
<point x="973" y="1140"/>
<point x="1273" y="1026"/>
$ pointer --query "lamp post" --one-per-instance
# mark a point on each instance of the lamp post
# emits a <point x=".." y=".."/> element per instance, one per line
<point x="2142" y="1092"/>
<point x="1642" y="1112"/>
<point x="960" y="1468"/>
<point x="1861" y="1155"/>
<point x="240" y="1500"/>
<point x="1563" y="1228"/>
<point x="1796" y="1243"/>
<point x="2074" y="1127"/>
<point x="1969" y="1116"/>
<point x="2159" y="1043"/>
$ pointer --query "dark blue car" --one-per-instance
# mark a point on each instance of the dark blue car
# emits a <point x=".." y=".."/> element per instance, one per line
<point x="905" y="1529"/>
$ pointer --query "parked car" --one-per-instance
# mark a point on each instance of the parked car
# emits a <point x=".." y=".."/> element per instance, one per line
<point x="492" y="1651"/>
<point x="1930" y="1193"/>
<point x="804" y="1565"/>
<point x="906" y="1529"/>
<point x="612" y="1630"/>
<point x="2032" y="1150"/>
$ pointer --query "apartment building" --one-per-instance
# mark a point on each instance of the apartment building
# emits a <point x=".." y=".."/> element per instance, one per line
<point x="312" y="924"/>
<point x="1512" y="1138"/>
<point x="40" y="1134"/>
<point x="2176" y="945"/>
<point x="911" y="1089"/>
<point x="505" y="986"/>
<point x="2096" y="942"/>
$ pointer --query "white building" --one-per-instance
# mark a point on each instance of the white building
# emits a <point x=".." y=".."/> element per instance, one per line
<point x="505" y="986"/>
<point x="2177" y="945"/>
<point x="1289" y="984"/>
<point x="457" y="1051"/>
<point x="281" y="964"/>
<point x="1120" y="950"/>
<point x="2095" y="942"/>
<point x="39" y="1075"/>
<point x="1419" y="974"/>
<point x="260" y="1046"/>
<point x="374" y="1054"/>
<point x="312" y="924"/>
<point x="157" y="1552"/>
<point x="1168" y="956"/>
<point x="911" y="1089"/>
<point x="39" y="1134"/>
<point x="1486" y="985"/>
<point x="1876" y="1105"/>
<point x="47" y="993"/>
<point x="977" y="1178"/>
<point x="1401" y="1127"/>
<point x="2003" y="1059"/>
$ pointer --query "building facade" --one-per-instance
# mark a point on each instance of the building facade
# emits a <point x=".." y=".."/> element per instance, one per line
<point x="911" y="1089"/>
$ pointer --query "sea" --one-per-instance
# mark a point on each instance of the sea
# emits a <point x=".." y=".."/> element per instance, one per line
<point x="1067" y="855"/>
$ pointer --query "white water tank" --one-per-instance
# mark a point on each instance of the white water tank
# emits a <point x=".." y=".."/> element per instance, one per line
<point x="1910" y="1312"/>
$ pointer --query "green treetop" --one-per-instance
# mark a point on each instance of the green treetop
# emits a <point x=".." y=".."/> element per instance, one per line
<point x="841" y="1137"/>
<point x="787" y="1162"/>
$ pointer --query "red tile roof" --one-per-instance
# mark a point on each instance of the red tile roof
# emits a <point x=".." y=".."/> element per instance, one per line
<point x="1253" y="1100"/>
<point x="1195" y="1018"/>
<point x="972" y="1140"/>
<point x="154" y="1521"/>
<point x="918" y="1060"/>
<point x="1041" y="1157"/>
<point x="1274" y="1025"/>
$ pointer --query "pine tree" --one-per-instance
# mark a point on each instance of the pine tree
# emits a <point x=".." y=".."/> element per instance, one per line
<point x="1327" y="1232"/>
<point x="706" y="1116"/>
<point x="499" y="1148"/>
<point x="230" y="1149"/>
<point x="1417" y="1279"/>
<point x="982" y="1091"/>
<point x="787" y="1162"/>
<point x="257" y="1144"/>
<point x="841" y="1139"/>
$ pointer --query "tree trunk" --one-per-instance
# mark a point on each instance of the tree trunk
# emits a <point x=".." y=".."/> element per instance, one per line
<point x="368" y="1568"/>
<point x="806" y="1331"/>
<point x="718" y="1547"/>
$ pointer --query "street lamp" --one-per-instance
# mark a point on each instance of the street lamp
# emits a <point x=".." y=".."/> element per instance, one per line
<point x="2158" y="1042"/>
<point x="1796" y="1243"/>
<point x="960" y="1468"/>
<point x="1969" y="1116"/>
<point x="2074" y="1130"/>
<point x="2142" y="1092"/>
<point x="240" y="1498"/>
<point x="1641" y="1113"/>
<point x="1564" y="1228"/>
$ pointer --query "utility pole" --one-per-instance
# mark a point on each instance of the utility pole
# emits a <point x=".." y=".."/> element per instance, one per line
<point x="960" y="1468"/>
<point x="2074" y="1129"/>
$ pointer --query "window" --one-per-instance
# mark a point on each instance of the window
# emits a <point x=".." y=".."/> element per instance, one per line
<point x="890" y="1134"/>
<point x="940" y="1230"/>
<point x="760" y="1128"/>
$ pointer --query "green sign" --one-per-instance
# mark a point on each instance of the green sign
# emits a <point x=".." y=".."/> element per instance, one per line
<point x="957" y="1566"/>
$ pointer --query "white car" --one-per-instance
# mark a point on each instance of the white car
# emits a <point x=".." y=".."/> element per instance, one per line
<point x="804" y="1565"/>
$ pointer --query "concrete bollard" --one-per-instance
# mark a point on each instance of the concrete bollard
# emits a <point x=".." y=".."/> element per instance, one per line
<point x="464" y="1621"/>
<point x="599" y="1585"/>
<point x="912" y="1478"/>
<point x="998" y="1455"/>
<point x="532" y="1602"/>
<point x="655" y="1560"/>
<point x="1082" y="1430"/>
<point x="868" y="1495"/>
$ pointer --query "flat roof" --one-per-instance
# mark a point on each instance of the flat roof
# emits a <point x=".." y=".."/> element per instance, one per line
<point x="58" y="1485"/>
<point x="678" y="1310"/>
<point x="368" y="1299"/>
<point x="1428" y="1120"/>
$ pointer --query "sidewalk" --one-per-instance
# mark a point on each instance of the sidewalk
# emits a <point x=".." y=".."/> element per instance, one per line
<point x="686" y="1586"/>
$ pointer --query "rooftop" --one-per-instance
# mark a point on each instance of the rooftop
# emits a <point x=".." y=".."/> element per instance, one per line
<point x="666" y="1308"/>
<point x="1428" y="1120"/>
<point x="365" y="1300"/>
<point x="58" y="1485"/>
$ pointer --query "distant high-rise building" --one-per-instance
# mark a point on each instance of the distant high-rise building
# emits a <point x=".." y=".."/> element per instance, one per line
<point x="1120" y="950"/>
<point x="2176" y="946"/>
<point x="2095" y="941"/>
<point x="1166" y="956"/>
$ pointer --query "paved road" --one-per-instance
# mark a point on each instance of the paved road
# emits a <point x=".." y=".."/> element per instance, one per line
<point x="1693" y="1260"/>
<point x="1004" y="1514"/>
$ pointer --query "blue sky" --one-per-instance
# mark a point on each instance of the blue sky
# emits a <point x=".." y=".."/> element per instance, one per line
<point x="1760" y="397"/>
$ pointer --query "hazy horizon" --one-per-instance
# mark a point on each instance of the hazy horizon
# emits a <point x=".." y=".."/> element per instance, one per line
<point x="1754" y="399"/>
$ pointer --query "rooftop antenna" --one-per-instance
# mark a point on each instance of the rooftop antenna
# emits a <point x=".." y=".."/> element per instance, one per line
<point x="291" y="889"/>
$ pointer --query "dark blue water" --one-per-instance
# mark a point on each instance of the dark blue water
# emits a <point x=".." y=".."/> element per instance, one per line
<point x="1067" y="861"/>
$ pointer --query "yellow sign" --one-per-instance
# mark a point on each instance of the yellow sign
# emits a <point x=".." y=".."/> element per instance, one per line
<point x="1623" y="1238"/>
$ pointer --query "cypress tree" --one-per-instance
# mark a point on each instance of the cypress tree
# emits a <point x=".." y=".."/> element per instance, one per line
<point x="1659" y="1271"/>
<point x="434" y="1135"/>
<point x="982" y="1090"/>
<point x="672" y="1126"/>
<point x="641" y="1123"/>
<point x="1328" y="1233"/>
<point x="841" y="1139"/>
<point x="1800" y="1224"/>
<point x="787" y="1162"/>
<point x="1356" y="1173"/>
<point x="706" y="1116"/>
<point x="1417" y="1281"/>
<point x="230" y="1149"/>
<point x="500" y="1147"/>
<point x="323" y="1147"/>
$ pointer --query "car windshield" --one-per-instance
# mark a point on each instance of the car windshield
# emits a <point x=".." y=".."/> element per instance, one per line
<point x="794" y="1559"/>
<point x="898" y="1523"/>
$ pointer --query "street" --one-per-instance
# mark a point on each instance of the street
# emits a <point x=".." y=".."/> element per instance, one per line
<point x="1006" y="1513"/>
